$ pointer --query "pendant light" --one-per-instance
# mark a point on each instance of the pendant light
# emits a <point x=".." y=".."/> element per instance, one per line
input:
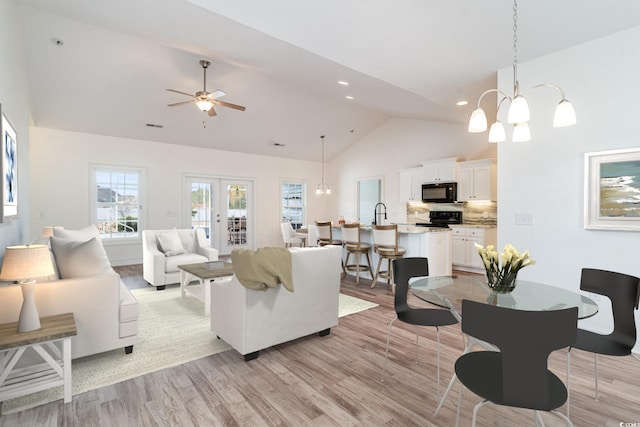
<point x="322" y="187"/>
<point x="518" y="113"/>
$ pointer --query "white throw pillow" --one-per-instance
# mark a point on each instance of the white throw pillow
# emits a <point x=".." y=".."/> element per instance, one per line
<point x="170" y="243"/>
<point x="80" y="259"/>
<point x="81" y="235"/>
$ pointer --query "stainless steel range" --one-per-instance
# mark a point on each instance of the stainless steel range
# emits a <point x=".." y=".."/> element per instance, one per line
<point x="442" y="219"/>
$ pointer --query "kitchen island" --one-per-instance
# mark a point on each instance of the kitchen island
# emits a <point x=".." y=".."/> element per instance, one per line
<point x="432" y="243"/>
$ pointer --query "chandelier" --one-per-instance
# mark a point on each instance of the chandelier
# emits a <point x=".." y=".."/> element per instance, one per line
<point x="518" y="113"/>
<point x="322" y="187"/>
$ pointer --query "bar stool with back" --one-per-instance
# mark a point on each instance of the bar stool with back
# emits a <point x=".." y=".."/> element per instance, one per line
<point x="325" y="237"/>
<point x="353" y="245"/>
<point x="385" y="244"/>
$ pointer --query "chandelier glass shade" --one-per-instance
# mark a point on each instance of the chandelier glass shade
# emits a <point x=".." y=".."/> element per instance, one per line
<point x="323" y="188"/>
<point x="518" y="113"/>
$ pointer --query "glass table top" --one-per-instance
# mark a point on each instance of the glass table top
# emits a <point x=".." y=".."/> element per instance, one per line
<point x="449" y="291"/>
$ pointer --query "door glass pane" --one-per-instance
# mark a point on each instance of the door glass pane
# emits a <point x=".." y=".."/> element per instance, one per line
<point x="236" y="214"/>
<point x="201" y="207"/>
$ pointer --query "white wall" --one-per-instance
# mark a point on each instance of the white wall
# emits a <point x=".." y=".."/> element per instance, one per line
<point x="13" y="100"/>
<point x="546" y="175"/>
<point x="60" y="181"/>
<point x="399" y="143"/>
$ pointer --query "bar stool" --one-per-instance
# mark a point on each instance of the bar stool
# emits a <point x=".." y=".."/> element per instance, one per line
<point x="353" y="245"/>
<point x="385" y="244"/>
<point x="325" y="237"/>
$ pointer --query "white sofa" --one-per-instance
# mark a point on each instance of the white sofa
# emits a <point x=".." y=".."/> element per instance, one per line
<point x="106" y="313"/>
<point x="160" y="270"/>
<point x="251" y="320"/>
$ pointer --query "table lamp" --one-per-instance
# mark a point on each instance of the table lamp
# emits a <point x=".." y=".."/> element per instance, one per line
<point x="22" y="264"/>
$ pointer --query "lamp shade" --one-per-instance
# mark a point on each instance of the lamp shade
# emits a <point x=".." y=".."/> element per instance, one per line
<point x="26" y="262"/>
<point x="478" y="121"/>
<point x="518" y="110"/>
<point x="521" y="132"/>
<point x="496" y="132"/>
<point x="204" y="105"/>
<point x="565" y="115"/>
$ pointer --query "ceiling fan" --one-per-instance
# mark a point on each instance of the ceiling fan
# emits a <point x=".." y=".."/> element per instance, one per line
<point x="205" y="100"/>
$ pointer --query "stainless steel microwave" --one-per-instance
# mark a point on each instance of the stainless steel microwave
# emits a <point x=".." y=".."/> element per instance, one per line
<point x="443" y="192"/>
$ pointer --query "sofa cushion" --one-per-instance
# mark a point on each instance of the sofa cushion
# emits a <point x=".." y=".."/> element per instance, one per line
<point x="80" y="259"/>
<point x="170" y="244"/>
<point x="171" y="264"/>
<point x="82" y="235"/>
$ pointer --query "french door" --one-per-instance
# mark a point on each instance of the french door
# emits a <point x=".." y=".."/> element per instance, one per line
<point x="223" y="208"/>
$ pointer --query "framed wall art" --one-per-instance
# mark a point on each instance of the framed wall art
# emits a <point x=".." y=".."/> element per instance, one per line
<point x="9" y="190"/>
<point x="612" y="190"/>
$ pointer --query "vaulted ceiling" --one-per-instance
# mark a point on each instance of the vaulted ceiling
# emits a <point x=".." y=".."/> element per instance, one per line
<point x="103" y="66"/>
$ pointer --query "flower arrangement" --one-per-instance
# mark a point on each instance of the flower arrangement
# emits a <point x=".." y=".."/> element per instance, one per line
<point x="503" y="279"/>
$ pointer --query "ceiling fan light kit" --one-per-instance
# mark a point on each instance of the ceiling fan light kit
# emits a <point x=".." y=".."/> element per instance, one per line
<point x="518" y="113"/>
<point x="205" y="100"/>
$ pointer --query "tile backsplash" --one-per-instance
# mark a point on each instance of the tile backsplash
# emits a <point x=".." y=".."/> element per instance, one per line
<point x="473" y="213"/>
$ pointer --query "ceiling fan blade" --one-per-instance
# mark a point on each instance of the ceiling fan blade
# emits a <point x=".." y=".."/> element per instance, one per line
<point x="181" y="103"/>
<point x="212" y="112"/>
<point x="216" y="94"/>
<point x="181" y="93"/>
<point x="229" y="105"/>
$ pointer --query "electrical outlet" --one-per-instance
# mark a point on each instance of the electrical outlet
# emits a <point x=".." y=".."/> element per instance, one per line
<point x="524" y="219"/>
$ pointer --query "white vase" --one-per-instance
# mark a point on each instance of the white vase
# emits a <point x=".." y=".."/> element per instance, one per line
<point x="29" y="318"/>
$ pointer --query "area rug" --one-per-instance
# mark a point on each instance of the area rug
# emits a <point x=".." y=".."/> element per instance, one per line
<point x="171" y="331"/>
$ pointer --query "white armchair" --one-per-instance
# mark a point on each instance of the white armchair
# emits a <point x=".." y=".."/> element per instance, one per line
<point x="160" y="267"/>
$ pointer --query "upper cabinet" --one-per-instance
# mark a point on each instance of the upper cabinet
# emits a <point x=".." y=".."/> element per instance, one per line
<point x="411" y="180"/>
<point x="477" y="180"/>
<point x="443" y="170"/>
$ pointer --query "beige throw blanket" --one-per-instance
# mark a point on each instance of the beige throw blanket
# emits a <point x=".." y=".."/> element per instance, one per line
<point x="264" y="268"/>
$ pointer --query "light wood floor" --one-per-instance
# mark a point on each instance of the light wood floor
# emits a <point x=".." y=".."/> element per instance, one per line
<point x="332" y="381"/>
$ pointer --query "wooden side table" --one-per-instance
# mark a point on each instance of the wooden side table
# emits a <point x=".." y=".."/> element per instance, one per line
<point x="52" y="342"/>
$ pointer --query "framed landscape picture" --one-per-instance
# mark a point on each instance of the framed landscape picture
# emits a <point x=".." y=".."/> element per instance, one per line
<point x="9" y="190"/>
<point x="612" y="190"/>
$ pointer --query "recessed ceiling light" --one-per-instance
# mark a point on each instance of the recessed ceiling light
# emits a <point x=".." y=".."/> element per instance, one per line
<point x="461" y="103"/>
<point x="343" y="83"/>
<point x="349" y="97"/>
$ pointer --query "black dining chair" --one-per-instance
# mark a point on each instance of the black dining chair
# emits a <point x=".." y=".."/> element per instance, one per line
<point x="517" y="375"/>
<point x="403" y="270"/>
<point x="624" y="292"/>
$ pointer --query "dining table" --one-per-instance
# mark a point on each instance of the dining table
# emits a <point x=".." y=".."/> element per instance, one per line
<point x="449" y="291"/>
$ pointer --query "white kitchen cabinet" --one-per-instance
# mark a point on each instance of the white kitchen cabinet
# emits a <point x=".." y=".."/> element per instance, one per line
<point x="411" y="180"/>
<point x="443" y="170"/>
<point x="464" y="253"/>
<point x="477" y="180"/>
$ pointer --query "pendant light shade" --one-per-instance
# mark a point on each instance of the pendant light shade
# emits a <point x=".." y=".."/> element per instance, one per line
<point x="518" y="113"/>
<point x="496" y="133"/>
<point x="478" y="121"/>
<point x="521" y="132"/>
<point x="565" y="115"/>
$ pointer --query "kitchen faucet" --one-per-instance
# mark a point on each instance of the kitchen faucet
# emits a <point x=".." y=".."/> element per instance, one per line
<point x="376" y="213"/>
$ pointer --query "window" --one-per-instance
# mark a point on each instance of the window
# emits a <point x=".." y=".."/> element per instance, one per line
<point x="116" y="201"/>
<point x="293" y="197"/>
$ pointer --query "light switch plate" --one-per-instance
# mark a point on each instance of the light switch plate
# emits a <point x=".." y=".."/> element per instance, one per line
<point x="524" y="219"/>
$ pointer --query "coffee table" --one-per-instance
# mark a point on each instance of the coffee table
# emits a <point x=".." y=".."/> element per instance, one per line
<point x="206" y="273"/>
